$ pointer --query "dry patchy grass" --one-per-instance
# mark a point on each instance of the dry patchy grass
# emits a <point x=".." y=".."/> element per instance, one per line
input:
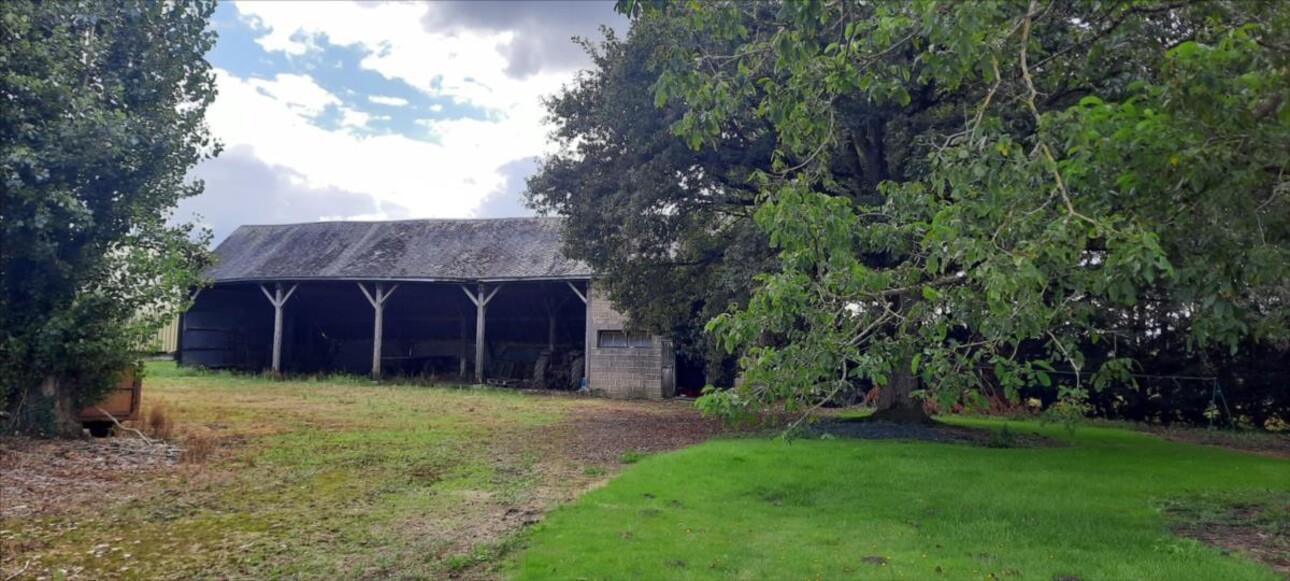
<point x="342" y="478"/>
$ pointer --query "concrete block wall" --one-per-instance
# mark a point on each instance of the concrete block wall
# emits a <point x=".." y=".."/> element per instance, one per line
<point x="621" y="372"/>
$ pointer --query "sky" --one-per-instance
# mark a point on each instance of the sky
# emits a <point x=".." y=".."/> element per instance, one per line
<point x="381" y="111"/>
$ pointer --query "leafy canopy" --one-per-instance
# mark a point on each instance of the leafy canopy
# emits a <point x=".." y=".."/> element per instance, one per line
<point x="668" y="230"/>
<point x="102" y="118"/>
<point x="1111" y="156"/>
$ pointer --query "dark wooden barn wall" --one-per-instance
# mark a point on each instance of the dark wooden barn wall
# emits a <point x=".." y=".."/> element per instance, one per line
<point x="328" y="328"/>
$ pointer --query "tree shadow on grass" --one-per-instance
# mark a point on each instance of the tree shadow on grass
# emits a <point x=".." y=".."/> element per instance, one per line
<point x="870" y="429"/>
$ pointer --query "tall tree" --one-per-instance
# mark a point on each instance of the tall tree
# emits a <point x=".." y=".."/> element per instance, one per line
<point x="1115" y="153"/>
<point x="102" y="118"/>
<point x="668" y="231"/>
<point x="668" y="226"/>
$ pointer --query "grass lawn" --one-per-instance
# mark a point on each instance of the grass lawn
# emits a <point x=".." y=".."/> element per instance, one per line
<point x="345" y="478"/>
<point x="829" y="509"/>
<point x="337" y="478"/>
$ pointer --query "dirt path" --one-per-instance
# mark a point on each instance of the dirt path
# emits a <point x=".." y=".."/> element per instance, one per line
<point x="604" y="433"/>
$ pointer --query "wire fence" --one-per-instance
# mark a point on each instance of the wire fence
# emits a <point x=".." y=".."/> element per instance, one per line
<point x="1217" y="412"/>
<point x="1164" y="398"/>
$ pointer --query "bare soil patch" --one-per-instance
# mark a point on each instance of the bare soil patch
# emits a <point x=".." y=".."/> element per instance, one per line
<point x="603" y="433"/>
<point x="1274" y="445"/>
<point x="1260" y="545"/>
<point x="1256" y="524"/>
<point x="48" y="477"/>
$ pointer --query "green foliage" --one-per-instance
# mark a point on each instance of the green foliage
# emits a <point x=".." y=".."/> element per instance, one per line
<point x="764" y="509"/>
<point x="102" y="120"/>
<point x="1068" y="412"/>
<point x="668" y="230"/>
<point x="1080" y="163"/>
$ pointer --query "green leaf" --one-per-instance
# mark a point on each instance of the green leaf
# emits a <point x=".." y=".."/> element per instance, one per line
<point x="1091" y="101"/>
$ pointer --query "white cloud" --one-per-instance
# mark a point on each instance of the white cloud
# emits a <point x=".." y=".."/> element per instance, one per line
<point x="354" y="118"/>
<point x="446" y="173"/>
<point x="446" y="179"/>
<point x="241" y="189"/>
<point x="383" y="100"/>
<point x="298" y="92"/>
<point x="339" y="218"/>
<point x="461" y="63"/>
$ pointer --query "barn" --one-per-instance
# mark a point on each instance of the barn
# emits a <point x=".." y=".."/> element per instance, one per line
<point x="481" y="301"/>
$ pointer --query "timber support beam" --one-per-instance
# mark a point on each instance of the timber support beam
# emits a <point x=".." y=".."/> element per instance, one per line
<point x="552" y="310"/>
<point x="586" y="335"/>
<point x="278" y="299"/>
<point x="481" y="299"/>
<point x="377" y="299"/>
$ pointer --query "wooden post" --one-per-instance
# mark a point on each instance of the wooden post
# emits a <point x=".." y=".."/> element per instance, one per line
<point x="480" y="309"/>
<point x="552" y="309"/>
<point x="481" y="305"/>
<point x="278" y="300"/>
<point x="378" y="305"/>
<point x="586" y="335"/>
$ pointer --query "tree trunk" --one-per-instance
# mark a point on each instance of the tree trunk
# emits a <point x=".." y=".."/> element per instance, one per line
<point x="895" y="404"/>
<point x="50" y="411"/>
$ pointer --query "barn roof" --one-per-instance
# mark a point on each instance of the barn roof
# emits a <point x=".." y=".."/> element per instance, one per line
<point x="435" y="250"/>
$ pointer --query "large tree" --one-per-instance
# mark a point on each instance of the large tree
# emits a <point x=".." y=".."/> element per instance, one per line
<point x="668" y="230"/>
<point x="1113" y="155"/>
<point x="669" y="227"/>
<point x="102" y="117"/>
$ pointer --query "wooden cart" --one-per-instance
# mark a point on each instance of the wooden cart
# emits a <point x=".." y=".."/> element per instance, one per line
<point x="121" y="402"/>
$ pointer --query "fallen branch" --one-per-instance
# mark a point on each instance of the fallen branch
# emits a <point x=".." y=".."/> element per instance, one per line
<point x="118" y="424"/>
<point x="18" y="572"/>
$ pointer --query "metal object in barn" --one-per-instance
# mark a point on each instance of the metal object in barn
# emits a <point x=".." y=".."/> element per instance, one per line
<point x="120" y="404"/>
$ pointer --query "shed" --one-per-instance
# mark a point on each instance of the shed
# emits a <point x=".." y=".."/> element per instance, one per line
<point x="486" y="301"/>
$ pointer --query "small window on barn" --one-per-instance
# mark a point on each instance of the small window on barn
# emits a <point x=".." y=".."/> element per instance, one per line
<point x="623" y="340"/>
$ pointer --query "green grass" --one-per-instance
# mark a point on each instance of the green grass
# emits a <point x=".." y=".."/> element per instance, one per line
<point x="318" y="478"/>
<point x="347" y="478"/>
<point x="829" y="509"/>
<point x="633" y="456"/>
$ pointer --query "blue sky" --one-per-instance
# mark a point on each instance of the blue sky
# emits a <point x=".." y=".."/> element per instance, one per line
<point x="341" y="110"/>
